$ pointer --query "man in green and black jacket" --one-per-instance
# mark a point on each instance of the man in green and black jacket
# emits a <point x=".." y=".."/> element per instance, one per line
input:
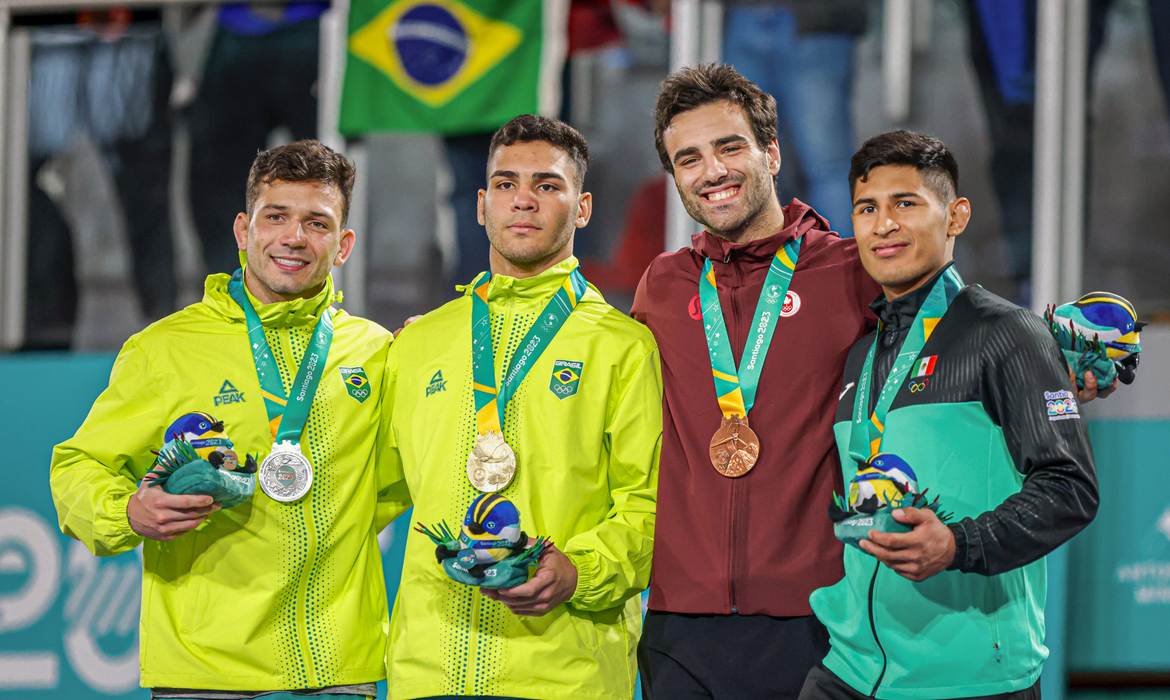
<point x="964" y="387"/>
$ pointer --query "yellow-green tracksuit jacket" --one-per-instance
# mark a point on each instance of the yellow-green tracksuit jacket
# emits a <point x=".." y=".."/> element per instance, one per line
<point x="266" y="595"/>
<point x="586" y="476"/>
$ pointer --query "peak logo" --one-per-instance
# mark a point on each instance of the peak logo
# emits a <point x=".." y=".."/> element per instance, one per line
<point x="437" y="384"/>
<point x="228" y="393"/>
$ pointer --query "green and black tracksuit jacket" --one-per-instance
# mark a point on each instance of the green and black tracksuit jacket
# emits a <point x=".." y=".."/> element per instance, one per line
<point x="994" y="431"/>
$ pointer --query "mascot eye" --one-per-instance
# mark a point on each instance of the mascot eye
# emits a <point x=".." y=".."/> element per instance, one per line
<point x="491" y="524"/>
<point x="203" y="426"/>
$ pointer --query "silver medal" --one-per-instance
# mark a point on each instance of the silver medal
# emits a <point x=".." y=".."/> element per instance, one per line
<point x="285" y="474"/>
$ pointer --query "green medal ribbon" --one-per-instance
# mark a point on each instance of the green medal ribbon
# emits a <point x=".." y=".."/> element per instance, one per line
<point x="490" y="407"/>
<point x="286" y="414"/>
<point x="863" y="443"/>
<point x="736" y="389"/>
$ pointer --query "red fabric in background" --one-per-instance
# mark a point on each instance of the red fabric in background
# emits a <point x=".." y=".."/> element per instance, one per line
<point x="591" y="25"/>
<point x="642" y="238"/>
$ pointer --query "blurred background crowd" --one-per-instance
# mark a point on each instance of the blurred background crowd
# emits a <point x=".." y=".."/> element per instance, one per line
<point x="141" y="123"/>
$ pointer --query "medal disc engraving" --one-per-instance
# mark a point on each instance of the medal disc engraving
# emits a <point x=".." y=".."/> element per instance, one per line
<point x="285" y="474"/>
<point x="734" y="448"/>
<point x="492" y="463"/>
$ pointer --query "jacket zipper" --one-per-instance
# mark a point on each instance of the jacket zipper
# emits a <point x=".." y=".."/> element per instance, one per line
<point x="873" y="627"/>
<point x="733" y="511"/>
<point x="311" y="675"/>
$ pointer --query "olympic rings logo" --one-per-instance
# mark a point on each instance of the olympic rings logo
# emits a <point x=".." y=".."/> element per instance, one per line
<point x="916" y="386"/>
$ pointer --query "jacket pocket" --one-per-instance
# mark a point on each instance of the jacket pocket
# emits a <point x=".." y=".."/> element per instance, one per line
<point x="586" y="629"/>
<point x="192" y="591"/>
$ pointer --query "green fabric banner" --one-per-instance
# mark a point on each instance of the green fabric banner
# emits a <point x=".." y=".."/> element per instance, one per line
<point x="447" y="66"/>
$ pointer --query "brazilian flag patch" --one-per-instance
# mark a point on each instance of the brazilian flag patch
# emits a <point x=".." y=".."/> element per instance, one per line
<point x="566" y="377"/>
<point x="357" y="384"/>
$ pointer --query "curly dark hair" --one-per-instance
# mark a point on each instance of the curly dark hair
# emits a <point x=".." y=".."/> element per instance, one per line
<point x="928" y="155"/>
<point x="302" y="161"/>
<point x="692" y="87"/>
<point x="532" y="127"/>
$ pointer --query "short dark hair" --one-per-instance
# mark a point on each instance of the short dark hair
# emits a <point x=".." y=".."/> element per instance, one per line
<point x="926" y="154"/>
<point x="302" y="161"/>
<point x="693" y="87"/>
<point x="533" y="127"/>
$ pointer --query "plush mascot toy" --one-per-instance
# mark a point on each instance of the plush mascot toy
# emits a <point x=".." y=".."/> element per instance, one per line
<point x="884" y="483"/>
<point x="1100" y="333"/>
<point x="198" y="458"/>
<point x="490" y="551"/>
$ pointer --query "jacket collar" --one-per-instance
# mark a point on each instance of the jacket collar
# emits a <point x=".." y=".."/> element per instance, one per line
<point x="502" y="287"/>
<point x="901" y="312"/>
<point x="799" y="219"/>
<point x="283" y="314"/>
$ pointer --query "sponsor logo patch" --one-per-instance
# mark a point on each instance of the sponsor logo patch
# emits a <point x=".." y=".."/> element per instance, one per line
<point x="791" y="304"/>
<point x="437" y="384"/>
<point x="228" y="394"/>
<point x="1061" y="405"/>
<point x="566" y="378"/>
<point x="925" y="366"/>
<point x="357" y="385"/>
<point x="695" y="308"/>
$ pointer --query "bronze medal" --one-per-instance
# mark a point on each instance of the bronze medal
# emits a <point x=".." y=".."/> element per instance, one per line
<point x="735" y="447"/>
<point x="492" y="463"/>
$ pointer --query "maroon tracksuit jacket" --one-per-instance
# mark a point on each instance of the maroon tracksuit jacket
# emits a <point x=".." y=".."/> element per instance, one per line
<point x="761" y="543"/>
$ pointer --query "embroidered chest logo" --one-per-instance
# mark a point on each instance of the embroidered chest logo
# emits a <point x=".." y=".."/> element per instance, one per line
<point x="437" y="384"/>
<point x="925" y="366"/>
<point x="228" y="394"/>
<point x="695" y="308"/>
<point x="566" y="378"/>
<point x="791" y="304"/>
<point x="1061" y="405"/>
<point x="357" y="385"/>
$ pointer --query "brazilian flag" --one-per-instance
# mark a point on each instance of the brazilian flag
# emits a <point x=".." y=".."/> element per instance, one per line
<point x="450" y="66"/>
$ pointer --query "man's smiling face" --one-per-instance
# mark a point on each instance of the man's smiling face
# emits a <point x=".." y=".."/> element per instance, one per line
<point x="724" y="177"/>
<point x="293" y="238"/>
<point x="905" y="231"/>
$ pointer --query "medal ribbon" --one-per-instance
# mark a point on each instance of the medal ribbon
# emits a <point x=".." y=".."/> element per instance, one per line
<point x="286" y="414"/>
<point x="490" y="405"/>
<point x="864" y="443"/>
<point x="736" y="389"/>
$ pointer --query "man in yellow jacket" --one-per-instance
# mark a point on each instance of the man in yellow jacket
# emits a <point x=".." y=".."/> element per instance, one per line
<point x="285" y="591"/>
<point x="532" y="362"/>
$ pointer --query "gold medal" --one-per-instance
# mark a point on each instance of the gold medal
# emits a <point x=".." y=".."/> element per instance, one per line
<point x="492" y="463"/>
<point x="734" y="447"/>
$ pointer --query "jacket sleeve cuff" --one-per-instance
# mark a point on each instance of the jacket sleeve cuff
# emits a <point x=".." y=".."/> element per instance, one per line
<point x="587" y="571"/>
<point x="962" y="548"/>
<point x="125" y="538"/>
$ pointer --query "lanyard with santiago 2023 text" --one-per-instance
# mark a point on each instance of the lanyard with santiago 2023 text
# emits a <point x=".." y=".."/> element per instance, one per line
<point x="286" y="414"/>
<point x="864" y="442"/>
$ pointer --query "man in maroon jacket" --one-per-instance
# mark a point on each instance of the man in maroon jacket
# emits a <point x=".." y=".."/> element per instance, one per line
<point x="742" y="536"/>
